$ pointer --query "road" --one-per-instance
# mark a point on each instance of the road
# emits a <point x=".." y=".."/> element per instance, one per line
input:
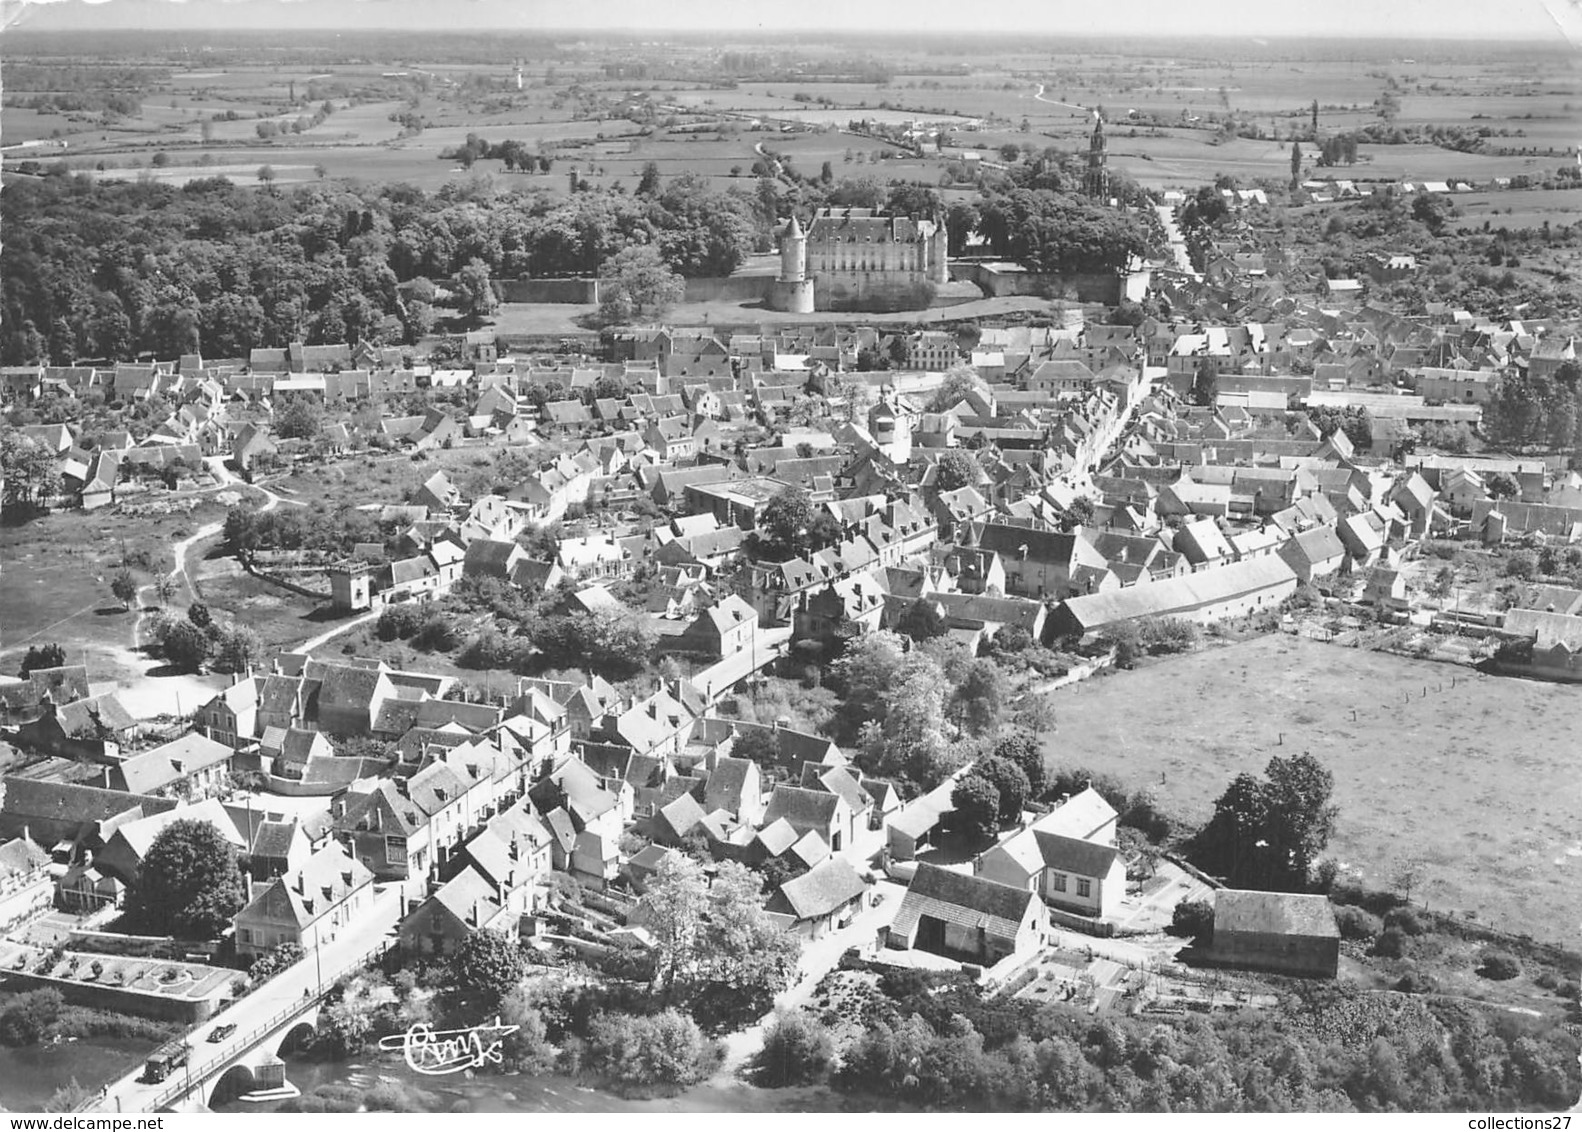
<point x="1178" y="248"/>
<point x="1039" y="95"/>
<point x="291" y="986"/>
<point x="330" y="634"/>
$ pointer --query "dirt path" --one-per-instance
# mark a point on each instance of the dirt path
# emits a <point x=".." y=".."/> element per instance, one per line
<point x="177" y="694"/>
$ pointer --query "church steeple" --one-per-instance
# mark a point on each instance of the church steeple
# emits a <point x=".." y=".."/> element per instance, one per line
<point x="1098" y="178"/>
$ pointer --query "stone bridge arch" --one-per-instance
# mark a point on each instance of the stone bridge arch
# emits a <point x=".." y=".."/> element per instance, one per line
<point x="235" y="1081"/>
<point x="298" y="1037"/>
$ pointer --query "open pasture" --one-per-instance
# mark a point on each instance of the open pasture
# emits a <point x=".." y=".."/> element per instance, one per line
<point x="1481" y="781"/>
<point x="1521" y="208"/>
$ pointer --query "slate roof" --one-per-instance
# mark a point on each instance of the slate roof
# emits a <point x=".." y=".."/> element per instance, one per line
<point x="180" y="758"/>
<point x="84" y="716"/>
<point x="967" y="901"/>
<point x="804" y="809"/>
<point x="1080" y="816"/>
<point x="776" y="837"/>
<point x="63" y="801"/>
<point x="325" y="880"/>
<point x="1072" y="855"/>
<point x="1273" y="913"/>
<point x="819" y="891"/>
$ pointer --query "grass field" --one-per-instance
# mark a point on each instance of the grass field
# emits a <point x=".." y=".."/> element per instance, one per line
<point x="55" y="585"/>
<point x="1481" y="781"/>
<point x="282" y="618"/>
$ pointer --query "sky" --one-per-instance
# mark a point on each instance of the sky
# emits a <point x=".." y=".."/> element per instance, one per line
<point x="1551" y="20"/>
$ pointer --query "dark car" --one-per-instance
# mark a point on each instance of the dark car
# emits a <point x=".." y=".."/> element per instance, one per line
<point x="220" y="1033"/>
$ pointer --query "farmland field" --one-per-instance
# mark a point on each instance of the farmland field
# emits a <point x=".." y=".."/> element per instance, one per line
<point x="1480" y="780"/>
<point x="991" y="98"/>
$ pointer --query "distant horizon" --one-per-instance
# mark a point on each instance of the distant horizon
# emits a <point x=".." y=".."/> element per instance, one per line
<point x="1536" y="21"/>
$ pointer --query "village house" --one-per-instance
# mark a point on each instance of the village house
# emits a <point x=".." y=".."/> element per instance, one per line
<point x="970" y="918"/>
<point x="824" y="898"/>
<point x="308" y="907"/>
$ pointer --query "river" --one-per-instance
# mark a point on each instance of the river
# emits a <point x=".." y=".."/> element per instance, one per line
<point x="29" y="1075"/>
<point x="521" y="1093"/>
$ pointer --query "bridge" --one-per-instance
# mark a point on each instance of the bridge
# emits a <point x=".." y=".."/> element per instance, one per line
<point x="277" y="1016"/>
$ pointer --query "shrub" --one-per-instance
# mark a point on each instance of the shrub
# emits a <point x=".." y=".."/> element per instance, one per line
<point x="398" y="621"/>
<point x="1521" y="565"/>
<point x="436" y="634"/>
<point x="1416" y="982"/>
<point x="28" y="1017"/>
<point x="1499" y="965"/>
<point x="1406" y="920"/>
<point x="1354" y="923"/>
<point x="1391" y="944"/>
<point x="269" y="965"/>
<point x="797" y="1050"/>
<point x="666" y="1049"/>
<point x="1194" y="919"/>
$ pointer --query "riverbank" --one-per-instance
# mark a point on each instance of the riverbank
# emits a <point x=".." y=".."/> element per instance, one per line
<point x="349" y="1085"/>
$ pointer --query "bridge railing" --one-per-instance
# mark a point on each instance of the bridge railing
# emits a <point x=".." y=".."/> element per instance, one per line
<point x="239" y="1045"/>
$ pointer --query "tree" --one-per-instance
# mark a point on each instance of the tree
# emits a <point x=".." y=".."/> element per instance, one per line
<point x="186" y="646"/>
<point x="299" y="417"/>
<point x="1193" y="919"/>
<point x="1205" y="385"/>
<point x="955" y="469"/>
<point x="921" y="621"/>
<point x="676" y="898"/>
<point x="638" y="282"/>
<point x="959" y="380"/>
<point x="1267" y="833"/>
<point x="980" y="700"/>
<point x="198" y="613"/>
<point x="1501" y="485"/>
<point x="475" y="297"/>
<point x="759" y="745"/>
<point x="786" y="519"/>
<point x="1010" y="782"/>
<point x="190" y="883"/>
<point x="238" y="648"/>
<point x="1296" y="164"/>
<point x="164" y="589"/>
<point x="43" y="656"/>
<point x="123" y="586"/>
<point x="487" y="967"/>
<point x="797" y="1050"/>
<point x="266" y="173"/>
<point x="30" y="470"/>
<point x="977" y="806"/>
<point x="648" y="183"/>
<point x="744" y="958"/>
<point x="1020" y="747"/>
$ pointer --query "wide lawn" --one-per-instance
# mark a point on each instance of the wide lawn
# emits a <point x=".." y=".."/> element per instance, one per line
<point x="55" y="582"/>
<point x="1478" y="776"/>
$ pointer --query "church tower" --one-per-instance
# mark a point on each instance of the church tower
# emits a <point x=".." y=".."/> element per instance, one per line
<point x="1098" y="179"/>
<point x="793" y="291"/>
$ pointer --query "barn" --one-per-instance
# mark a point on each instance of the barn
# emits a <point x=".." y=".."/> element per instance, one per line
<point x="1285" y="932"/>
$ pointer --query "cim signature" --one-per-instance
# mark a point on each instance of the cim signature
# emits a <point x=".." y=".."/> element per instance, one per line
<point x="437" y="1052"/>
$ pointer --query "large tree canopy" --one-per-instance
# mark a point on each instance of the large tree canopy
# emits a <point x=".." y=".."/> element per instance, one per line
<point x="1268" y="832"/>
<point x="190" y="883"/>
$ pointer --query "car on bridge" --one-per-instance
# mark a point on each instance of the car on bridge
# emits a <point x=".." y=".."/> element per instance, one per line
<point x="221" y="1032"/>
